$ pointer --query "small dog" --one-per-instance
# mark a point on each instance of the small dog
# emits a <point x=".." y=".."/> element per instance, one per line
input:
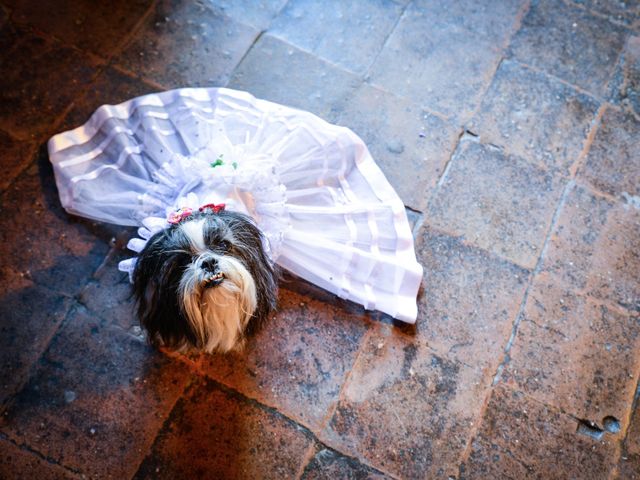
<point x="205" y="282"/>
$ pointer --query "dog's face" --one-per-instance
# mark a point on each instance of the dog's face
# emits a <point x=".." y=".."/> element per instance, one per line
<point x="204" y="282"/>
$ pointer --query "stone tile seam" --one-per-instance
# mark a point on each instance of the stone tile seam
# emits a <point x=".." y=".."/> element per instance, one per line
<point x="533" y="273"/>
<point x="403" y="10"/>
<point x="306" y="460"/>
<point x="161" y="424"/>
<point x="588" y="141"/>
<point x="595" y="13"/>
<point x="133" y="32"/>
<point x="35" y="453"/>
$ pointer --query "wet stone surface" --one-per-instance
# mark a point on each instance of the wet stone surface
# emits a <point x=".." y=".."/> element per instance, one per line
<point x="535" y="117"/>
<point x="14" y="460"/>
<point x="497" y="202"/>
<point x="250" y="441"/>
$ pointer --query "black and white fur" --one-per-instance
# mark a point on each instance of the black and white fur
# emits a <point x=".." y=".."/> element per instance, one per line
<point x="204" y="283"/>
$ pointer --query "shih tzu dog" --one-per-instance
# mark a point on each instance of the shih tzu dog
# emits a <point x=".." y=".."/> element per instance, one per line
<point x="205" y="282"/>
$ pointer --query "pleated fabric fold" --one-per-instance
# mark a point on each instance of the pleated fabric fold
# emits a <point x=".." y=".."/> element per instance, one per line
<point x="328" y="213"/>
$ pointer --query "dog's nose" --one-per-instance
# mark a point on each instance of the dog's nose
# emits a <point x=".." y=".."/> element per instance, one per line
<point x="209" y="265"/>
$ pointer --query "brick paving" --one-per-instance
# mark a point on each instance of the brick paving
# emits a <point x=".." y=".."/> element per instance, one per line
<point x="511" y="131"/>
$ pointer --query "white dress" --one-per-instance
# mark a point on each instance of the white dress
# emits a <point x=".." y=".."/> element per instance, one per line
<point x="327" y="211"/>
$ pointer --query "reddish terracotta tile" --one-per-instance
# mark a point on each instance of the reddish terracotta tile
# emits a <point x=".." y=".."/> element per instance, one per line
<point x="629" y="463"/>
<point x="625" y="85"/>
<point x="215" y="434"/>
<point x="535" y="117"/>
<point x="334" y="30"/>
<point x="594" y="248"/>
<point x="96" y="400"/>
<point x="16" y="156"/>
<point x="461" y="314"/>
<point x="38" y="240"/>
<point x="329" y="464"/>
<point x="613" y="162"/>
<point x="443" y="68"/>
<point x="575" y="354"/>
<point x="186" y="44"/>
<point x="411" y="146"/>
<point x="405" y="410"/>
<point x="496" y="201"/>
<point x="29" y="107"/>
<point x="521" y="438"/>
<point x="276" y="71"/>
<point x="111" y="87"/>
<point x="98" y="27"/>
<point x="298" y="361"/>
<point x="16" y="463"/>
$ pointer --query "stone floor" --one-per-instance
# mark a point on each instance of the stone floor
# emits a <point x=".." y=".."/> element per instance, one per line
<point x="510" y="129"/>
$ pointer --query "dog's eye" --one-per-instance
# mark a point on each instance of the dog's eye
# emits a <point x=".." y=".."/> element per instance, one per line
<point x="223" y="245"/>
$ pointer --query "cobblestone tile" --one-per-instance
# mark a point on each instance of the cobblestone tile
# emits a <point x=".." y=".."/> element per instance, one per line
<point x="411" y="146"/>
<point x="336" y="31"/>
<point x="41" y="242"/>
<point x="276" y="71"/>
<point x="443" y="69"/>
<point x="108" y="294"/>
<point x="16" y="155"/>
<point x="29" y="106"/>
<point x="625" y="11"/>
<point x="16" y="463"/>
<point x="329" y="464"/>
<point x="625" y="83"/>
<point x="96" y="400"/>
<point x="111" y="87"/>
<point x="215" y="434"/>
<point x="186" y="43"/>
<point x="498" y="202"/>
<point x="405" y="410"/>
<point x="460" y="313"/>
<point x="613" y="162"/>
<point x="257" y="14"/>
<point x="521" y="438"/>
<point x="576" y="354"/>
<point x="594" y="248"/>
<point x="98" y="27"/>
<point x="535" y="117"/>
<point x="298" y="361"/>
<point x="569" y="43"/>
<point x="489" y="20"/>
<point x="29" y="317"/>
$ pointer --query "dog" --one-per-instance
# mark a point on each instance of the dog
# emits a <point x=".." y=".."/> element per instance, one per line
<point x="205" y="282"/>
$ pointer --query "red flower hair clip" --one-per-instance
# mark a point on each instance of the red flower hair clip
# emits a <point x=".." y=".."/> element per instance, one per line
<point x="213" y="207"/>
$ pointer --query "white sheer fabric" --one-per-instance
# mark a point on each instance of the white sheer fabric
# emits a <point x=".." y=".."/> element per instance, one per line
<point x="326" y="209"/>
